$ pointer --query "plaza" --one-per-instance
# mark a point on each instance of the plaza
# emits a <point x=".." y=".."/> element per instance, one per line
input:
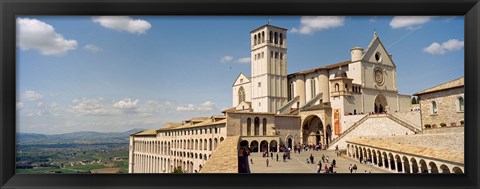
<point x="298" y="163"/>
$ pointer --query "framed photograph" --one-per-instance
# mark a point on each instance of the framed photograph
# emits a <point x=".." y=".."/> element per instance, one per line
<point x="267" y="94"/>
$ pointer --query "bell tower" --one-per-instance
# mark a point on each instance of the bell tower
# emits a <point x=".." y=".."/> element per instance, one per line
<point x="269" y="68"/>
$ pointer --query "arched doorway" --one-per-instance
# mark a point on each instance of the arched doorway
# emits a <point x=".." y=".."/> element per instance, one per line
<point x="380" y="104"/>
<point x="289" y="142"/>
<point x="273" y="146"/>
<point x="254" y="146"/>
<point x="264" y="146"/>
<point x="312" y="130"/>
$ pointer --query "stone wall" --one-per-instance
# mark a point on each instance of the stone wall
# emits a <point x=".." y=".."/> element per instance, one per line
<point x="412" y="117"/>
<point x="444" y="130"/>
<point x="447" y="107"/>
<point x="348" y="121"/>
<point x="374" y="126"/>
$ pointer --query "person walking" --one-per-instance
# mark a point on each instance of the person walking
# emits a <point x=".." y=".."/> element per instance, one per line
<point x="277" y="156"/>
<point x="267" y="162"/>
<point x="354" y="167"/>
<point x="319" y="167"/>
<point x="350" y="168"/>
<point x="251" y="161"/>
<point x="311" y="158"/>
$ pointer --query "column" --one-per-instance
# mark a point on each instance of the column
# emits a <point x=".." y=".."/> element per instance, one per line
<point x="411" y="167"/>
<point x="403" y="166"/>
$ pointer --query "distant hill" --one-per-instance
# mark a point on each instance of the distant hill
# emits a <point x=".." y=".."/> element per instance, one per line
<point x="83" y="137"/>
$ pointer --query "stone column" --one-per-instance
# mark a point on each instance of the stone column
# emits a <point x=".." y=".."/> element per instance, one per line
<point x="411" y="167"/>
<point x="403" y="166"/>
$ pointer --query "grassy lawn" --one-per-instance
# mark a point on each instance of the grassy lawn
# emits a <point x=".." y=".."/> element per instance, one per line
<point x="43" y="170"/>
<point x="88" y="167"/>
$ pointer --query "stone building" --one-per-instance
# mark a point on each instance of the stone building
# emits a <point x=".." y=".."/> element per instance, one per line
<point x="444" y="103"/>
<point x="273" y="111"/>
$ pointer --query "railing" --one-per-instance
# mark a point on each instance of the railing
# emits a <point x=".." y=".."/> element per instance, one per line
<point x="403" y="123"/>
<point x="288" y="105"/>
<point x="355" y="125"/>
<point x="312" y="101"/>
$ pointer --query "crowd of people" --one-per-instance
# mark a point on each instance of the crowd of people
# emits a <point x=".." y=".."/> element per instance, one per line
<point x="324" y="165"/>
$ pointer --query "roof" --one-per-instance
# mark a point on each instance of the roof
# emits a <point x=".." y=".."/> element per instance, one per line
<point x="415" y="145"/>
<point x="269" y="26"/>
<point x="146" y="132"/>
<point x="327" y="67"/>
<point x="448" y="85"/>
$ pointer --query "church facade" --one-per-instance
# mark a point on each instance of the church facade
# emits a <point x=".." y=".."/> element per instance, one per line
<point x="326" y="98"/>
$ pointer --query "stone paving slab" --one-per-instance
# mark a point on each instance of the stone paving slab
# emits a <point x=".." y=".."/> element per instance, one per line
<point x="298" y="163"/>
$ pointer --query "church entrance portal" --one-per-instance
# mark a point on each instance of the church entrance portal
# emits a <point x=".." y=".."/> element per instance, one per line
<point x="380" y="104"/>
<point x="312" y="130"/>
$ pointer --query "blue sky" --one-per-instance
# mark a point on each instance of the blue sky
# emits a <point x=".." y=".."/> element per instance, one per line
<point x="112" y="74"/>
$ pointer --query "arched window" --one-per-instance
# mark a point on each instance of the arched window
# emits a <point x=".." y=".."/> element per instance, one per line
<point x="264" y="126"/>
<point x="255" y="40"/>
<point x="281" y="39"/>
<point x="312" y="87"/>
<point x="276" y="38"/>
<point x="337" y="87"/>
<point x="270" y="37"/>
<point x="257" y="126"/>
<point x="249" y="126"/>
<point x="461" y="104"/>
<point x="263" y="37"/>
<point x="434" y="107"/>
<point x="241" y="95"/>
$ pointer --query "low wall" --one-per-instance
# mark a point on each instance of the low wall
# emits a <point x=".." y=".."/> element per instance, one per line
<point x="458" y="129"/>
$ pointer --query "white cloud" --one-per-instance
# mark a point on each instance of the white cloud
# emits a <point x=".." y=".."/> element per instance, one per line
<point x="226" y="59"/>
<point x="20" y="105"/>
<point x="244" y="60"/>
<point x="206" y="106"/>
<point x="448" y="46"/>
<point x="186" y="108"/>
<point x="32" y="95"/>
<point x="127" y="105"/>
<point x="85" y="106"/>
<point x="409" y="22"/>
<point x="311" y="24"/>
<point x="123" y="23"/>
<point x="40" y="36"/>
<point x="92" y="48"/>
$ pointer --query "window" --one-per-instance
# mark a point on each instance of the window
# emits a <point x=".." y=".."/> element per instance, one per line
<point x="434" y="107"/>
<point x="264" y="126"/>
<point x="270" y="37"/>
<point x="271" y="54"/>
<point x="257" y="126"/>
<point x="337" y="87"/>
<point x="281" y="56"/>
<point x="276" y="54"/>
<point x="241" y="95"/>
<point x="312" y="87"/>
<point x="249" y="124"/>
<point x="263" y="36"/>
<point x="461" y="104"/>
<point x="276" y="38"/>
<point x="255" y="40"/>
<point x="259" y="84"/>
<point x="281" y="39"/>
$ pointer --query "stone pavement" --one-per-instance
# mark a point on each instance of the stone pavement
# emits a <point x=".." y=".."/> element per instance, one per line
<point x="298" y="163"/>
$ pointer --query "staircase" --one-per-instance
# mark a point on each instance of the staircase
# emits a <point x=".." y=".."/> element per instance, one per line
<point x="363" y="119"/>
<point x="403" y="123"/>
<point x="312" y="101"/>
<point x="355" y="125"/>
<point x="286" y="108"/>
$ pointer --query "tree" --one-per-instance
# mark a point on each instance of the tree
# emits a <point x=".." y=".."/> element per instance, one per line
<point x="414" y="100"/>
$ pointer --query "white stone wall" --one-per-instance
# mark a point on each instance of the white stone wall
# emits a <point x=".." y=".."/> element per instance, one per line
<point x="172" y="148"/>
<point x="374" y="126"/>
<point x="412" y="117"/>
<point x="348" y="121"/>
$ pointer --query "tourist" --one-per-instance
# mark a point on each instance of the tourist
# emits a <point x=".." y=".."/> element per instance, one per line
<point x="334" y="163"/>
<point x="319" y="167"/>
<point x="284" y="157"/>
<point x="354" y="167"/>
<point x="327" y="159"/>
<point x="350" y="168"/>
<point x="326" y="169"/>
<point x="271" y="154"/>
<point x="320" y="164"/>
<point x="267" y="162"/>
<point x="251" y="161"/>
<point x="277" y="156"/>
<point x="311" y="158"/>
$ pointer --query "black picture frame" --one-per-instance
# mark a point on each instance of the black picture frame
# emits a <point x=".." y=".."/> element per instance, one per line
<point x="9" y="9"/>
